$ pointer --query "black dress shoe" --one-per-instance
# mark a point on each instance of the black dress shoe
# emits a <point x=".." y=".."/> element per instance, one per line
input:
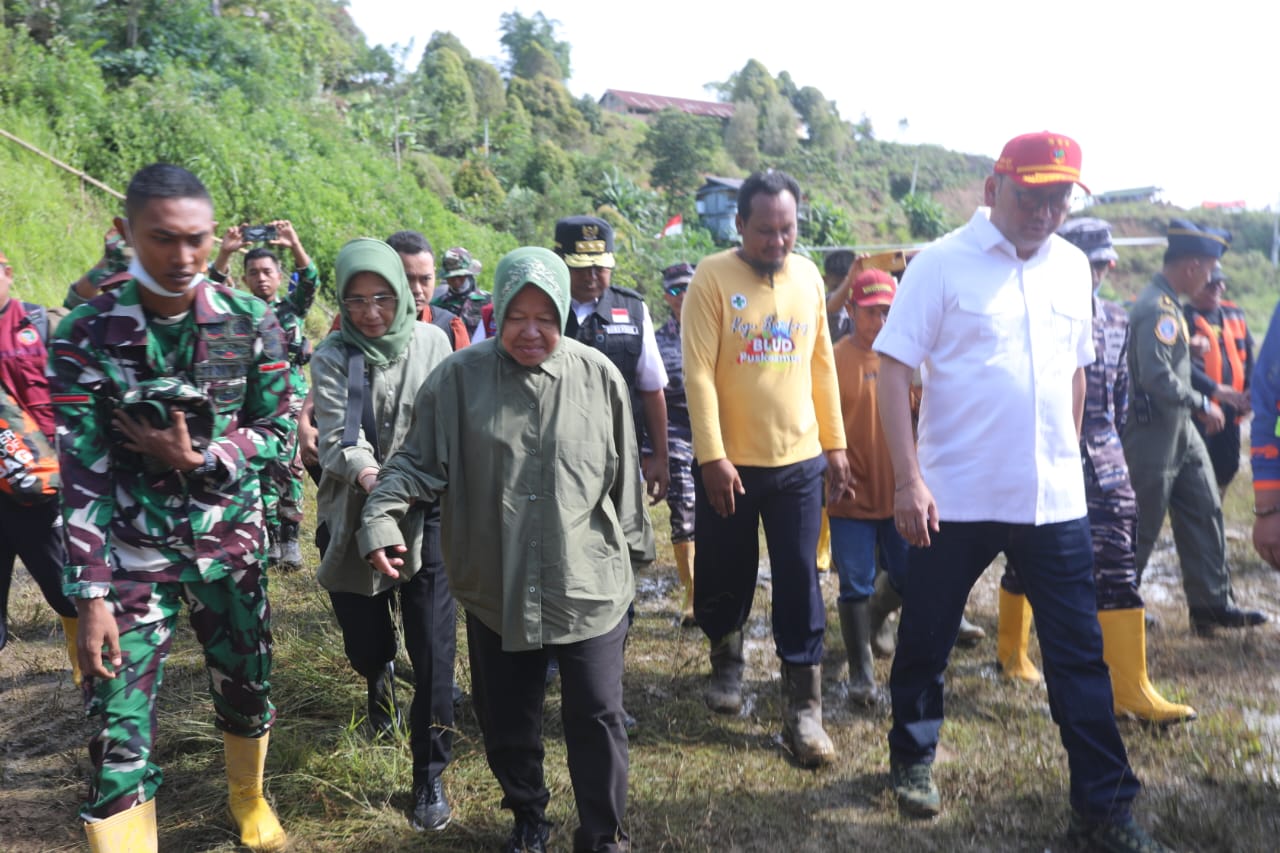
<point x="430" y="806"/>
<point x="1205" y="619"/>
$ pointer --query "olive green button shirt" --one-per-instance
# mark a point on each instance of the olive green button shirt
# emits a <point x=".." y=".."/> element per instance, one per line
<point x="1160" y="353"/>
<point x="539" y="480"/>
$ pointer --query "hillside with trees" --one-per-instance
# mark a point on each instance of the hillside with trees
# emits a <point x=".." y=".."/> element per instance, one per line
<point x="284" y="110"/>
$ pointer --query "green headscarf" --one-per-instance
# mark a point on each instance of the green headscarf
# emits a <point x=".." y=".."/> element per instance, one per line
<point x="534" y="265"/>
<point x="367" y="255"/>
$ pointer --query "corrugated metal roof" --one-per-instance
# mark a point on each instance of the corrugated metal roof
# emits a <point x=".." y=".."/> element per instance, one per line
<point x="642" y="102"/>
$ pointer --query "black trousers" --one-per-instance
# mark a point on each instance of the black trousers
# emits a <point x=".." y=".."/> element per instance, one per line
<point x="33" y="535"/>
<point x="429" y="616"/>
<point x="508" y="690"/>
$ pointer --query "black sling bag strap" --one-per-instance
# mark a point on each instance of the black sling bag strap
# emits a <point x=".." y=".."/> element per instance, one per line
<point x="359" y="405"/>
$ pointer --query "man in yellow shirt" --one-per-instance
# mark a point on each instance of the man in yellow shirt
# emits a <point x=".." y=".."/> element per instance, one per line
<point x="765" y="411"/>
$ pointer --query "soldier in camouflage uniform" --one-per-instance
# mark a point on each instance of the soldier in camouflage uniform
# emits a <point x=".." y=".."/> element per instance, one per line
<point x="1167" y="459"/>
<point x="1113" y="508"/>
<point x="282" y="485"/>
<point x="675" y="282"/>
<point x="171" y="395"/>
<point x="459" y="293"/>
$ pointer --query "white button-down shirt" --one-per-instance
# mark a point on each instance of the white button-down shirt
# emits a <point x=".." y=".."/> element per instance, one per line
<point x="998" y="340"/>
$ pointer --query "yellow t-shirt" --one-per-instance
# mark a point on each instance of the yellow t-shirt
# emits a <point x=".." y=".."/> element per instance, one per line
<point x="759" y="372"/>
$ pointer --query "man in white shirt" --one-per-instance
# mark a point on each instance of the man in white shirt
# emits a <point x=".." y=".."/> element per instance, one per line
<point x="616" y="321"/>
<point x="997" y="316"/>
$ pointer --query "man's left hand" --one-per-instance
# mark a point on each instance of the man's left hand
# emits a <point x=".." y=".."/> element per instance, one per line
<point x="170" y="446"/>
<point x="1266" y="539"/>
<point x="657" y="476"/>
<point x="839" y="477"/>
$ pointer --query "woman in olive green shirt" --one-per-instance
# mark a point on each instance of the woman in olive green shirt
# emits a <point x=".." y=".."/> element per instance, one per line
<point x="529" y="443"/>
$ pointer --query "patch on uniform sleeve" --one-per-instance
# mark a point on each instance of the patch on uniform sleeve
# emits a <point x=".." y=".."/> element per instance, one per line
<point x="1166" y="330"/>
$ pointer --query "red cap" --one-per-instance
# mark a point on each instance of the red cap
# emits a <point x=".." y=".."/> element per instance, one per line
<point x="1037" y="159"/>
<point x="873" y="287"/>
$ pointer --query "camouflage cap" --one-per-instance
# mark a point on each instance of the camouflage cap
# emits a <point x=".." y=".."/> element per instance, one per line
<point x="458" y="262"/>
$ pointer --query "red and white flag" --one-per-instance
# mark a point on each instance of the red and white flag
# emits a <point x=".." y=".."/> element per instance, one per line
<point x="675" y="225"/>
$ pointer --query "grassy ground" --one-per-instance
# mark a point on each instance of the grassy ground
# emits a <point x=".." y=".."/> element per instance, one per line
<point x="698" y="781"/>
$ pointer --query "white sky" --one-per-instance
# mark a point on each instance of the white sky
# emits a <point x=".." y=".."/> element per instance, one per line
<point x="1179" y="97"/>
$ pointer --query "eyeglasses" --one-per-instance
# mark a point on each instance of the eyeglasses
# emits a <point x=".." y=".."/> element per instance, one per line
<point x="676" y="289"/>
<point x="1030" y="201"/>
<point x="382" y="302"/>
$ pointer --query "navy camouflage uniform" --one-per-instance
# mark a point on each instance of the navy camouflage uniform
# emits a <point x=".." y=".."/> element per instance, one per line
<point x="1113" y="508"/>
<point x="679" y="433"/>
<point x="148" y="540"/>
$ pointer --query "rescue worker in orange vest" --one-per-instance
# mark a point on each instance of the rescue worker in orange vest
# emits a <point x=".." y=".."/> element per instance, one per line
<point x="1221" y="370"/>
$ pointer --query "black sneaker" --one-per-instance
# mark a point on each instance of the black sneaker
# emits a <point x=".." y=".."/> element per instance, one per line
<point x="1124" y="836"/>
<point x="430" y="806"/>
<point x="1205" y="619"/>
<point x="529" y="835"/>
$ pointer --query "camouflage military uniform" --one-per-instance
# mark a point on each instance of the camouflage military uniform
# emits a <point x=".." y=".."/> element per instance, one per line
<point x="1168" y="463"/>
<point x="282" y="487"/>
<point x="1113" y="510"/>
<point x="679" y="433"/>
<point x="148" y="539"/>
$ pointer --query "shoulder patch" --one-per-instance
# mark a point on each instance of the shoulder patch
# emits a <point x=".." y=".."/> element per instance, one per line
<point x="1166" y="330"/>
<point x="1166" y="302"/>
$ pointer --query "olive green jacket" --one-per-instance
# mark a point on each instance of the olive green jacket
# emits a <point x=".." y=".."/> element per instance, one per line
<point x="543" y="510"/>
<point x="340" y="498"/>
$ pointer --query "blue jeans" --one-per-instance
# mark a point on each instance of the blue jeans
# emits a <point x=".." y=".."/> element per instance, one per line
<point x="1055" y="565"/>
<point x="855" y="544"/>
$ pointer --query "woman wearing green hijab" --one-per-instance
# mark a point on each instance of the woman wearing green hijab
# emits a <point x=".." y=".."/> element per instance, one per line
<point x="366" y="375"/>
<point x="527" y="440"/>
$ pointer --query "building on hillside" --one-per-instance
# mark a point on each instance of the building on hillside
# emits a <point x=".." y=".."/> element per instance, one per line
<point x="1142" y="195"/>
<point x="641" y="104"/>
<point x="717" y="205"/>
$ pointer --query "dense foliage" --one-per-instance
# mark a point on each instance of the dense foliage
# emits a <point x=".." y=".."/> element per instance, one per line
<point x="284" y="110"/>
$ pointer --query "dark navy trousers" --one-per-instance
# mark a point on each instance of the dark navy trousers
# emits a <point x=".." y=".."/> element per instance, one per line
<point x="1055" y="565"/>
<point x="788" y="500"/>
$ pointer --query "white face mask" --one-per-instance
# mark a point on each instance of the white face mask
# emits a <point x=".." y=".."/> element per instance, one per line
<point x="144" y="278"/>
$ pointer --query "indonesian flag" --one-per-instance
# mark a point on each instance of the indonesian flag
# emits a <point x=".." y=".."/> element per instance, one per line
<point x="675" y="225"/>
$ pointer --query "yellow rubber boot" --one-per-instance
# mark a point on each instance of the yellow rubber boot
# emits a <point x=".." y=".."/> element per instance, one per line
<point x="684" y="567"/>
<point x="71" y="625"/>
<point x="1124" y="647"/>
<point x="824" y="543"/>
<point x="132" y="831"/>
<point x="246" y="758"/>
<point x="1015" y="637"/>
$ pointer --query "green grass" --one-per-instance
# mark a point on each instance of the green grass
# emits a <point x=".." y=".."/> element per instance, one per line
<point x="698" y="781"/>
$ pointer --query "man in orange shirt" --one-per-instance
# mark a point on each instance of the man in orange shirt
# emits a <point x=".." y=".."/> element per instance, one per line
<point x="862" y="525"/>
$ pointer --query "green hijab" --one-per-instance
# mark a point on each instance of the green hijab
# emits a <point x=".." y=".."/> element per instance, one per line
<point x="367" y="255"/>
<point x="542" y="268"/>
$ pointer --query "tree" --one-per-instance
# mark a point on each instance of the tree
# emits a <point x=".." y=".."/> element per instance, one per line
<point x="925" y="217"/>
<point x="682" y="146"/>
<point x="487" y="87"/>
<point x="753" y="83"/>
<point x="741" y="136"/>
<point x="778" y="127"/>
<point x="448" y="104"/>
<point x="521" y="35"/>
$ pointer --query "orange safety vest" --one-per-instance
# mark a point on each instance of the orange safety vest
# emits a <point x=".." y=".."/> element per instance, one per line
<point x="1233" y="340"/>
